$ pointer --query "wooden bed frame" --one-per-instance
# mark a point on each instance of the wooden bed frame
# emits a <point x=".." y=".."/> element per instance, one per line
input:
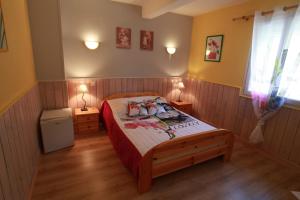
<point x="180" y="153"/>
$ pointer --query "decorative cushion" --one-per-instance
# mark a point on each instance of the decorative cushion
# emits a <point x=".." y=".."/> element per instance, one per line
<point x="143" y="110"/>
<point x="145" y="107"/>
<point x="160" y="109"/>
<point x="152" y="109"/>
<point x="133" y="109"/>
<point x="160" y="100"/>
<point x="167" y="107"/>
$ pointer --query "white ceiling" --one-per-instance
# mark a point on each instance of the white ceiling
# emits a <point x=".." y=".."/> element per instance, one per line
<point x="198" y="7"/>
<point x="134" y="2"/>
<point x="191" y="7"/>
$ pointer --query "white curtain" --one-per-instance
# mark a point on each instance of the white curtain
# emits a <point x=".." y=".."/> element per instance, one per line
<point x="275" y="65"/>
<point x="267" y="40"/>
<point x="290" y="81"/>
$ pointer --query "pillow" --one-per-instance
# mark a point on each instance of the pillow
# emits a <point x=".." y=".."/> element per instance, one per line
<point x="149" y="101"/>
<point x="143" y="110"/>
<point x="160" y="100"/>
<point x="133" y="109"/>
<point x="160" y="109"/>
<point x="152" y="109"/>
<point x="167" y="107"/>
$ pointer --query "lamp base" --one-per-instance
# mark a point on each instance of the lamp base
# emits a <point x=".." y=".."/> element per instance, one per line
<point x="84" y="109"/>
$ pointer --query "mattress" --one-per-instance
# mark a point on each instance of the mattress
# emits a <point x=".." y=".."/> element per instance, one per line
<point x="148" y="132"/>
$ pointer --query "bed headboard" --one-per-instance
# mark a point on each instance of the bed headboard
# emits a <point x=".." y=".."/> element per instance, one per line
<point x="130" y="94"/>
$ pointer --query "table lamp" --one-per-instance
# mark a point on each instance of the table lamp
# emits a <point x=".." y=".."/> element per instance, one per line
<point x="180" y="87"/>
<point x="83" y="88"/>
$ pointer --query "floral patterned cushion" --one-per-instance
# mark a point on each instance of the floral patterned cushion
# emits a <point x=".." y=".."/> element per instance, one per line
<point x="133" y="109"/>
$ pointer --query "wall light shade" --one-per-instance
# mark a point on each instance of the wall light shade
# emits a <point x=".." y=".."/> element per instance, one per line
<point x="171" y="50"/>
<point x="91" y="44"/>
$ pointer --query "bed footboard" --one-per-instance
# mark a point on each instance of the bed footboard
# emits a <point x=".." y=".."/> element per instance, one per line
<point x="183" y="152"/>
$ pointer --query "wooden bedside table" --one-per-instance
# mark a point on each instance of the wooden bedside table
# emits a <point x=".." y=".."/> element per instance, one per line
<point x="87" y="121"/>
<point x="182" y="106"/>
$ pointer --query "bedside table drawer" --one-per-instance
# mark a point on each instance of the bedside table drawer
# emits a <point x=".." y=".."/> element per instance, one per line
<point x="88" y="126"/>
<point x="88" y="118"/>
<point x="87" y="121"/>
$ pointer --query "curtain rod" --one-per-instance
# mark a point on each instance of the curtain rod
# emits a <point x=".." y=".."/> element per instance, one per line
<point x="247" y="17"/>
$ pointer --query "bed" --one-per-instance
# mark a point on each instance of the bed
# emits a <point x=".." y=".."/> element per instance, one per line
<point x="150" y="151"/>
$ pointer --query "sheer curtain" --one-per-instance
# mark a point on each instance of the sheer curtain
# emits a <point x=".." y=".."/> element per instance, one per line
<point x="290" y="83"/>
<point x="266" y="46"/>
<point x="274" y="65"/>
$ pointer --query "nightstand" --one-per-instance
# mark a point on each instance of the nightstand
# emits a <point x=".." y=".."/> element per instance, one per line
<point x="182" y="106"/>
<point x="87" y="121"/>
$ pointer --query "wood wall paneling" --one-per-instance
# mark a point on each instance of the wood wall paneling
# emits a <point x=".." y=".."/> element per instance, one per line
<point x="54" y="94"/>
<point x="19" y="146"/>
<point x="6" y="175"/>
<point x="100" y="88"/>
<point x="293" y="125"/>
<point x="217" y="104"/>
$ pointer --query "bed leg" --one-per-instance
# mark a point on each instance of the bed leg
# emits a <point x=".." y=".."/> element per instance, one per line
<point x="144" y="184"/>
<point x="230" y="142"/>
<point x="227" y="157"/>
<point x="145" y="173"/>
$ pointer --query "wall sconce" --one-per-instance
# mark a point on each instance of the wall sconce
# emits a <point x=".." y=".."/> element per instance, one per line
<point x="171" y="50"/>
<point x="91" y="44"/>
<point x="83" y="88"/>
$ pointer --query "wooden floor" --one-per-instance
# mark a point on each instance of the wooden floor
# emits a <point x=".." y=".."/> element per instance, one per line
<point x="92" y="170"/>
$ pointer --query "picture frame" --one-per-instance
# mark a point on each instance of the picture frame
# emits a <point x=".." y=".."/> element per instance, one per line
<point x="213" y="48"/>
<point x="146" y="40"/>
<point x="3" y="38"/>
<point x="123" y="38"/>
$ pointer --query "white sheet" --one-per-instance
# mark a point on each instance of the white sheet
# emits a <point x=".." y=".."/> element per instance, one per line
<point x="146" y="137"/>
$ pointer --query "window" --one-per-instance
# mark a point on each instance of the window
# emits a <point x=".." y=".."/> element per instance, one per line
<point x="275" y="55"/>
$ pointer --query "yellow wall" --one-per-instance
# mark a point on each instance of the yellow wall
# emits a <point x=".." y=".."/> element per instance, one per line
<point x="17" y="73"/>
<point x="237" y="39"/>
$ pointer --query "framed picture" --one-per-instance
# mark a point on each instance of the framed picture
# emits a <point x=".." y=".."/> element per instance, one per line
<point x="213" y="49"/>
<point x="123" y="38"/>
<point x="146" y="40"/>
<point x="3" y="42"/>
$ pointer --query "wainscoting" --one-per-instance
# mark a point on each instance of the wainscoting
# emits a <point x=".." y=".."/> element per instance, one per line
<point x="217" y="104"/>
<point x="222" y="106"/>
<point x="19" y="146"/>
<point x="60" y="94"/>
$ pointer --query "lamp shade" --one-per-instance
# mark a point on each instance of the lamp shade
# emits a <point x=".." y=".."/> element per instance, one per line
<point x="83" y="88"/>
<point x="91" y="44"/>
<point x="171" y="50"/>
<point x="181" y="85"/>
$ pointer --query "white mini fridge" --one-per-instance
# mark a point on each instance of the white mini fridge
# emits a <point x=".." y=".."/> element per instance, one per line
<point x="57" y="129"/>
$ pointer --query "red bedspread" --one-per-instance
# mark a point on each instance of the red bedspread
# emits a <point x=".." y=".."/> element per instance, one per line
<point x="126" y="151"/>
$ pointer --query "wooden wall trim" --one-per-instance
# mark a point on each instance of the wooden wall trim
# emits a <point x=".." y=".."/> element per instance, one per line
<point x="19" y="146"/>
